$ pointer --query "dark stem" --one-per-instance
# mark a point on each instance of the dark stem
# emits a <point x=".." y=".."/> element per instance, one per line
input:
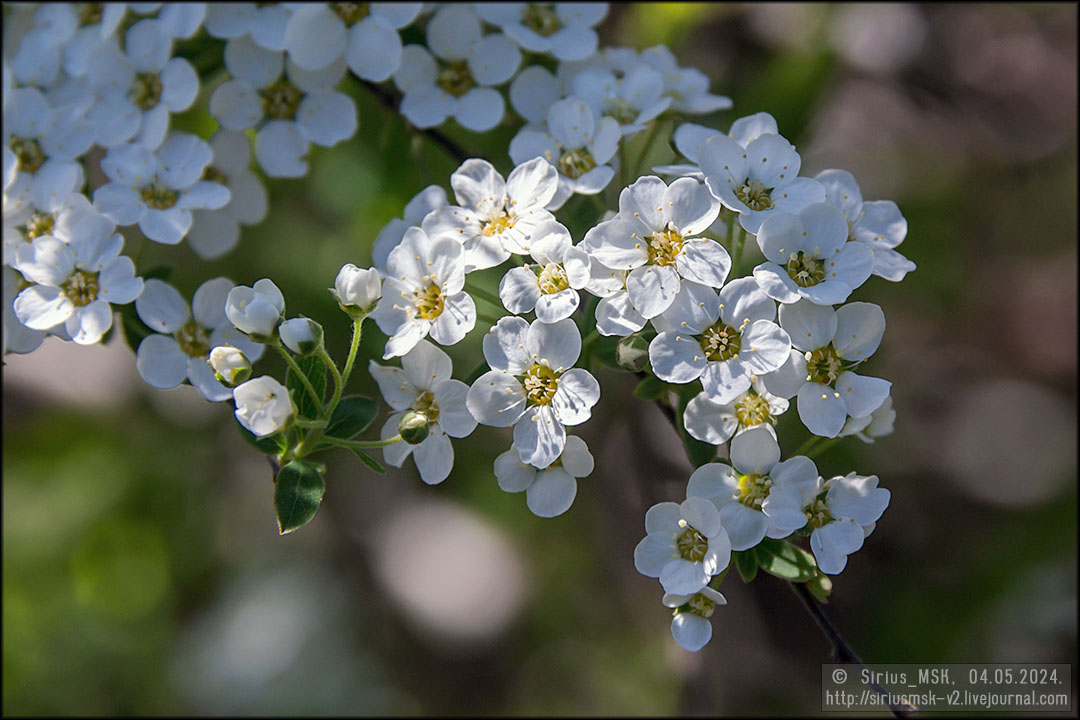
<point x="392" y="100"/>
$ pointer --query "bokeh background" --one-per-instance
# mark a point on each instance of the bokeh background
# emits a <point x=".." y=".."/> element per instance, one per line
<point x="143" y="573"/>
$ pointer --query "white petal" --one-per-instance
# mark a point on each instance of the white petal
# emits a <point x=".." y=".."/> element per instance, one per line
<point x="704" y="261"/>
<point x="327" y="117"/>
<point x="434" y="457"/>
<point x="160" y="362"/>
<point x="707" y="421"/>
<point x="692" y="632"/>
<point x="652" y="288"/>
<point x="553" y="308"/>
<point x="808" y="325"/>
<point x="615" y="315"/>
<point x="456" y="320"/>
<point x="653" y="553"/>
<point x="859" y="328"/>
<point x="395" y="387"/>
<point x="683" y="577"/>
<point x="425" y="365"/>
<point x="281" y="150"/>
<point x="745" y="526"/>
<point x="551" y="493"/>
<point x="162" y="307"/>
<point x="821" y="409"/>
<point x="496" y="399"/>
<point x="539" y="436"/>
<point x="512" y="474"/>
<point x="165" y="226"/>
<point x="39" y="307"/>
<point x="754" y="452"/>
<point x="314" y="37"/>
<point x="577" y="393"/>
<point x="519" y="290"/>
<point x="454" y="416"/>
<point x="556" y="345"/>
<point x="862" y="395"/>
<point x="374" y="49"/>
<point x="676" y="358"/>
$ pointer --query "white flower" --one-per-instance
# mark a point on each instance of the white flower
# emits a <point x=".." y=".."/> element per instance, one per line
<point x="263" y="406"/>
<point x="758" y="179"/>
<point x="365" y="33"/>
<point x="808" y="256"/>
<point x="575" y="143"/>
<point x="534" y="386"/>
<point x="64" y="215"/>
<point x="686" y="544"/>
<point x="827" y="345"/>
<point x="184" y="336"/>
<point x="877" y="424"/>
<point x="564" y="30"/>
<point x="839" y="514"/>
<point x="357" y="288"/>
<point x="690" y="627"/>
<point x="75" y="284"/>
<point x="215" y="232"/>
<point x="159" y="191"/>
<point x="256" y="310"/>
<point x="878" y="225"/>
<point x="454" y="79"/>
<point x="548" y="491"/>
<point x="716" y="423"/>
<point x="427" y="200"/>
<point x="725" y="340"/>
<point x="653" y="237"/>
<point x="615" y="314"/>
<point x="632" y="99"/>
<point x="424" y="293"/>
<point x="230" y="365"/>
<point x="137" y="89"/>
<point x="742" y="491"/>
<point x="688" y="88"/>
<point x="299" y="107"/>
<point x="423" y="384"/>
<point x="301" y="335"/>
<point x="550" y="286"/>
<point x="495" y="218"/>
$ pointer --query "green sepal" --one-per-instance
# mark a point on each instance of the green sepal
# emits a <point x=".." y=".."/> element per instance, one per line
<point x="271" y="444"/>
<point x="820" y="587"/>
<point x="315" y="370"/>
<point x="785" y="560"/>
<point x="298" y="492"/>
<point x="354" y="414"/>
<point x="369" y="461"/>
<point x="650" y="388"/>
<point x="746" y="563"/>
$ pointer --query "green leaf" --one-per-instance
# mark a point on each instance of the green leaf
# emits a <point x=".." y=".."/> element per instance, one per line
<point x="369" y="461"/>
<point x="785" y="561"/>
<point x="650" y="388"/>
<point x="298" y="492"/>
<point x="352" y="415"/>
<point x="603" y="349"/>
<point x="820" y="587"/>
<point x="271" y="444"/>
<point x="745" y="563"/>
<point x="315" y="370"/>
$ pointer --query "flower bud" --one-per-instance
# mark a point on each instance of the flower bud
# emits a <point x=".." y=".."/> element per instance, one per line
<point x="263" y="406"/>
<point x="230" y="365"/>
<point x="357" y="290"/>
<point x="301" y="335"/>
<point x="413" y="427"/>
<point x="632" y="353"/>
<point x="256" y="310"/>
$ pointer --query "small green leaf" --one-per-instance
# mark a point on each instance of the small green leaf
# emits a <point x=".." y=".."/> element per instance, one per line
<point x="632" y="353"/>
<point x="298" y="492"/>
<point x="313" y="367"/>
<point x="369" y="461"/>
<point x="352" y="415"/>
<point x="746" y="564"/>
<point x="650" y="388"/>
<point x="271" y="444"/>
<point x="603" y="349"/>
<point x="820" y="587"/>
<point x="785" y="561"/>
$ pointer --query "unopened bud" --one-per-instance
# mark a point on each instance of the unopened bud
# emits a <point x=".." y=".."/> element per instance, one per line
<point x="357" y="290"/>
<point x="632" y="353"/>
<point x="301" y="335"/>
<point x="413" y="427"/>
<point x="230" y="365"/>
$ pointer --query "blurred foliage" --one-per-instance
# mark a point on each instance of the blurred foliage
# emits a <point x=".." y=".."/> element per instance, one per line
<point x="131" y="541"/>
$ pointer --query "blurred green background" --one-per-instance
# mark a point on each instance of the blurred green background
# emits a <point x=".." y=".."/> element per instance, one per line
<point x="142" y="570"/>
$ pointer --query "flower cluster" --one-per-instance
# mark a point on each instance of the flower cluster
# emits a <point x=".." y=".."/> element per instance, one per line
<point x="89" y="99"/>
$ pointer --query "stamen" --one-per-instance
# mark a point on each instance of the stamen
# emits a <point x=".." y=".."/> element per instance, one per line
<point x="81" y="288"/>
<point x="541" y="19"/>
<point x="576" y="163"/>
<point x="720" y="342"/>
<point x="754" y="195"/>
<point x="665" y="246"/>
<point x="540" y="383"/>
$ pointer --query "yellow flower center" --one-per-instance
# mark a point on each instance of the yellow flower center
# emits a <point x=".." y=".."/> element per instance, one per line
<point x="214" y="175"/>
<point x="753" y="489"/>
<point x="351" y="13"/>
<point x="281" y="99"/>
<point x="805" y="269"/>
<point x="701" y="605"/>
<point x="193" y="340"/>
<point x="81" y="288"/>
<point x="623" y="112"/>
<point x="456" y="78"/>
<point x="541" y="19"/>
<point x="39" y="224"/>
<point x="665" y="246"/>
<point x="692" y="545"/>
<point x="817" y="513"/>
<point x="576" y="163"/>
<point x="720" y="342"/>
<point x="28" y="153"/>
<point x="499" y="224"/>
<point x="158" y="196"/>
<point x="751" y="409"/>
<point x="425" y="405"/>
<point x="146" y="90"/>
<point x="754" y="195"/>
<point x="552" y="279"/>
<point x="540" y="383"/>
<point x="823" y="365"/>
<point x="429" y="302"/>
<point x="90" y="13"/>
